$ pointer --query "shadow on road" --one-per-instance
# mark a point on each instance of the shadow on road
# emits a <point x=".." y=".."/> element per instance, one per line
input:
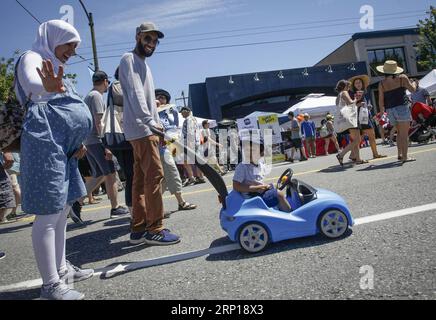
<point x="22" y="294"/>
<point x="274" y="248"/>
<point x="15" y="228"/>
<point x="100" y="244"/>
<point x="389" y="165"/>
<point x="337" y="168"/>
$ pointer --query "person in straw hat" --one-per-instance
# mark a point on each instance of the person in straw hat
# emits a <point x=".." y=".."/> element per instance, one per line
<point x="392" y="98"/>
<point x="359" y="85"/>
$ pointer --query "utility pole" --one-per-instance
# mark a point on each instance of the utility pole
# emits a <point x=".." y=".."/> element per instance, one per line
<point x="91" y="25"/>
<point x="183" y="96"/>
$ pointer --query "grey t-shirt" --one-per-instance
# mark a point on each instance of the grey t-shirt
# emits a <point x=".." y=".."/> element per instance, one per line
<point x="420" y="95"/>
<point x="295" y="134"/>
<point x="249" y="174"/>
<point x="139" y="100"/>
<point x="94" y="101"/>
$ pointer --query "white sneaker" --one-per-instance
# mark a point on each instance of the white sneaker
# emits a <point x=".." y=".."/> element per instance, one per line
<point x="60" y="291"/>
<point x="75" y="273"/>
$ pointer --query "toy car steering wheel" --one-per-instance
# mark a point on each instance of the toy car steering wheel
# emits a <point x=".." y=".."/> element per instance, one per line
<point x="285" y="179"/>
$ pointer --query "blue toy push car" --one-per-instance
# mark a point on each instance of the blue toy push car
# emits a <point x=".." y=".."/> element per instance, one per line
<point x="254" y="225"/>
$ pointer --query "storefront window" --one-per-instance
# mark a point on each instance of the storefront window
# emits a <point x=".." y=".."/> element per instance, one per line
<point x="379" y="56"/>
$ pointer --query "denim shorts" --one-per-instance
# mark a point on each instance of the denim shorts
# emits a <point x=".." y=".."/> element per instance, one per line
<point x="270" y="197"/>
<point x="399" y="114"/>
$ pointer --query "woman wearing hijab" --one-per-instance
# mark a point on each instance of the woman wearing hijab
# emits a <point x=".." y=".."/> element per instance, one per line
<point x="56" y="123"/>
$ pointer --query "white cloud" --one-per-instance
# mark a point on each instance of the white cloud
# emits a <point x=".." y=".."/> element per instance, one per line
<point x="171" y="14"/>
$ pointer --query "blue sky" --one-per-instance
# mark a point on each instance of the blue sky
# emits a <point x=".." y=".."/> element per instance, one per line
<point x="191" y="24"/>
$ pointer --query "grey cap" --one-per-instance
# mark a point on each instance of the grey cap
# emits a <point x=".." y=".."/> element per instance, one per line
<point x="149" y="27"/>
<point x="99" y="75"/>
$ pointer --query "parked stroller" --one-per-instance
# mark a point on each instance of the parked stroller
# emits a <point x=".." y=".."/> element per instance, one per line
<point x="423" y="126"/>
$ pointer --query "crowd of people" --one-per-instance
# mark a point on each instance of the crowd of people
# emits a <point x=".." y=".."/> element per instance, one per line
<point x="398" y="114"/>
<point x="67" y="152"/>
<point x="60" y="128"/>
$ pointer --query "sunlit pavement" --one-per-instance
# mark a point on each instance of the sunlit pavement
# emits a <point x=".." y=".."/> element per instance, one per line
<point x="397" y="254"/>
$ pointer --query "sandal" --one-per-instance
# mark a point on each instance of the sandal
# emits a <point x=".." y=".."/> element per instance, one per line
<point x="340" y="159"/>
<point x="93" y="202"/>
<point x="378" y="156"/>
<point x="187" y="206"/>
<point x="408" y="160"/>
<point x="361" y="162"/>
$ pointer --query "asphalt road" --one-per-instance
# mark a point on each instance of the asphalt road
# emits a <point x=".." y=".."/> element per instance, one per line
<point x="399" y="252"/>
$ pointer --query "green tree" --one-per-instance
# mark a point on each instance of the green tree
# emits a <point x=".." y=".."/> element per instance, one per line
<point x="7" y="67"/>
<point x="427" y="44"/>
<point x="72" y="77"/>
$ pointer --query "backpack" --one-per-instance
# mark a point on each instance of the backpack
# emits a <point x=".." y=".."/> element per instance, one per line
<point x="12" y="115"/>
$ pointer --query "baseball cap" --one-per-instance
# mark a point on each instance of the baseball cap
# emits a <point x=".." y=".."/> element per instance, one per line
<point x="99" y="76"/>
<point x="149" y="27"/>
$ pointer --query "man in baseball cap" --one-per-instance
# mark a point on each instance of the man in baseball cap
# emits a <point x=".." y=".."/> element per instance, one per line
<point x="149" y="27"/>
<point x="99" y="76"/>
<point x="141" y="120"/>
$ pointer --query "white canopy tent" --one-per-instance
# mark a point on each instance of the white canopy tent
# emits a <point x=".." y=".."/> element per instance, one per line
<point x="316" y="105"/>
<point x="257" y="114"/>
<point x="429" y="83"/>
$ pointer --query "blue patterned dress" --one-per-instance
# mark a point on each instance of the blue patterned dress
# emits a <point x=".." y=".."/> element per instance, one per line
<point x="52" y="133"/>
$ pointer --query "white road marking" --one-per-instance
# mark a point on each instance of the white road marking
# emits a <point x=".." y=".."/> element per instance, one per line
<point x="119" y="268"/>
<point x="394" y="214"/>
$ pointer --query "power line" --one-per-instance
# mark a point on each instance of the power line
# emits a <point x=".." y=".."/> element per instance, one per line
<point x="30" y="13"/>
<point x="241" y="45"/>
<point x="232" y="46"/>
<point x="253" y="33"/>
<point x="269" y="27"/>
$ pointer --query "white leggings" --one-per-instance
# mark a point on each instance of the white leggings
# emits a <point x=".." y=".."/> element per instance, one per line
<point x="48" y="238"/>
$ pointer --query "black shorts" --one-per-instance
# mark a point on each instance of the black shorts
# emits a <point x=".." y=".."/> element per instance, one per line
<point x="84" y="167"/>
<point x="96" y="158"/>
<point x="296" y="143"/>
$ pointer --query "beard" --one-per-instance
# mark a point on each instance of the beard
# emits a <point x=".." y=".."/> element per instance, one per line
<point x="141" y="50"/>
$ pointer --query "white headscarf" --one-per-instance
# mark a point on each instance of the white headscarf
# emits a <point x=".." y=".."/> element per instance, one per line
<point x="51" y="34"/>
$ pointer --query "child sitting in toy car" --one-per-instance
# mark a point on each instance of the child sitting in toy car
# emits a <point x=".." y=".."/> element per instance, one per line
<point x="249" y="176"/>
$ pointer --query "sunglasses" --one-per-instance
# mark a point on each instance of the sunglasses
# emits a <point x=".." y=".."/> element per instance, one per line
<point x="149" y="39"/>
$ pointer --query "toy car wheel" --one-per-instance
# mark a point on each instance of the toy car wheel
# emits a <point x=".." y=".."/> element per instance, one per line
<point x="253" y="237"/>
<point x="333" y="223"/>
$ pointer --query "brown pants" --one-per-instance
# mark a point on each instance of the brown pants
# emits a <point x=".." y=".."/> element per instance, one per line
<point x="147" y="186"/>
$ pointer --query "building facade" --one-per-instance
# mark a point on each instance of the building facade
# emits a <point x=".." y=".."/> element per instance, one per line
<point x="374" y="48"/>
<point x="235" y="96"/>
